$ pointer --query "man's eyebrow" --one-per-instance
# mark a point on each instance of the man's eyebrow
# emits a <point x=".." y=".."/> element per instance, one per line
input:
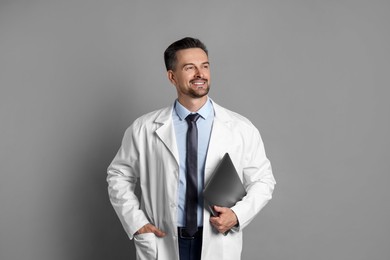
<point x="186" y="64"/>
<point x="203" y="63"/>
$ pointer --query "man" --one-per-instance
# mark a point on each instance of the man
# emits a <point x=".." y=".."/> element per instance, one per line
<point x="172" y="152"/>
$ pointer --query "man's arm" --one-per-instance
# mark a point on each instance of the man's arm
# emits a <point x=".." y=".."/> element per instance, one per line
<point x="122" y="177"/>
<point x="258" y="180"/>
<point x="259" y="183"/>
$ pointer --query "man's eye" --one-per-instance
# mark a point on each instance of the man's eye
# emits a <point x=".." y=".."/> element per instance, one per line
<point x="189" y="67"/>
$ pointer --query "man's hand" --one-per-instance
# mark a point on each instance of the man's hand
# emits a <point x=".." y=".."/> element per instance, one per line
<point x="149" y="228"/>
<point x="226" y="219"/>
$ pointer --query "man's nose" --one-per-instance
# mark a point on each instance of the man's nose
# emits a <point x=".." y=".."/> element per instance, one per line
<point x="198" y="73"/>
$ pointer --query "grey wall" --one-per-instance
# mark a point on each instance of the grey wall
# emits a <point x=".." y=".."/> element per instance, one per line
<point x="311" y="75"/>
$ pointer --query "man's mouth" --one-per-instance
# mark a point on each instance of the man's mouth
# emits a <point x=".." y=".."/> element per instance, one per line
<point x="199" y="83"/>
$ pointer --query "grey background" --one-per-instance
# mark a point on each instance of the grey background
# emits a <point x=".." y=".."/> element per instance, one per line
<point x="311" y="75"/>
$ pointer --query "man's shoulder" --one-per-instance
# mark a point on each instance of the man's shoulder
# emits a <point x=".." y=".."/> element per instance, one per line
<point x="229" y="115"/>
<point x="152" y="117"/>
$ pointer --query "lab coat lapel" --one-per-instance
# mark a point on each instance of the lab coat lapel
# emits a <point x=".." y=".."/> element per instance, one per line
<point x="166" y="132"/>
<point x="219" y="140"/>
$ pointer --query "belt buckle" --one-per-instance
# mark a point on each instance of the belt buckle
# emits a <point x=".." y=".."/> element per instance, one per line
<point x="183" y="235"/>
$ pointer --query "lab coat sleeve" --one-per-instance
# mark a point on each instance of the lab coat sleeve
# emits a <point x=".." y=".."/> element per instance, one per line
<point x="122" y="177"/>
<point x="257" y="178"/>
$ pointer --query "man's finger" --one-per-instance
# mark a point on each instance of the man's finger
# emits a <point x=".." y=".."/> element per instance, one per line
<point x="149" y="228"/>
<point x="158" y="232"/>
<point x="226" y="219"/>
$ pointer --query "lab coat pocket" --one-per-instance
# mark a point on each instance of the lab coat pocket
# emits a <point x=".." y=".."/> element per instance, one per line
<point x="146" y="246"/>
<point x="233" y="244"/>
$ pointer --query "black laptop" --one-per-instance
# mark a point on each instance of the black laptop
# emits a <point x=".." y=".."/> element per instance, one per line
<point x="224" y="187"/>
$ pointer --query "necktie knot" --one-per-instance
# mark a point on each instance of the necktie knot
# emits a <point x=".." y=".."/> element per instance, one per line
<point x="192" y="117"/>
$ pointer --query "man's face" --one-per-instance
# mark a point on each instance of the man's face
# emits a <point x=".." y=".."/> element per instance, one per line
<point x="191" y="75"/>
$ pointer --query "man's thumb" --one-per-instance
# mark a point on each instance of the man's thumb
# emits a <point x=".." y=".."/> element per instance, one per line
<point x="218" y="209"/>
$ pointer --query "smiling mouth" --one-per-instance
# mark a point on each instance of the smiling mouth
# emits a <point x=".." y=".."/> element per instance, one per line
<point x="199" y="83"/>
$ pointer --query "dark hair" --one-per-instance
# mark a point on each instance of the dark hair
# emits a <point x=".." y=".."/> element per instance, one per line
<point x="185" y="43"/>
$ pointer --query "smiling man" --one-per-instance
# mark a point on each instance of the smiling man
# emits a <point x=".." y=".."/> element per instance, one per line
<point x="171" y="153"/>
<point x="191" y="75"/>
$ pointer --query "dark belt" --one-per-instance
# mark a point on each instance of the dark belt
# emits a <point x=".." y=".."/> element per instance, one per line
<point x="182" y="233"/>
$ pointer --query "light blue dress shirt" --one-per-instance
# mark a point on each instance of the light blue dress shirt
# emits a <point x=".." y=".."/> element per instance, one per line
<point x="204" y="124"/>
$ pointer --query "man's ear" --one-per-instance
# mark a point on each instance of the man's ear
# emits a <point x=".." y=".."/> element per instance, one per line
<point x="171" y="77"/>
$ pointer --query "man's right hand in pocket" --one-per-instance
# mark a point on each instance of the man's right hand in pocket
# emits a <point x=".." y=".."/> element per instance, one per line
<point x="149" y="228"/>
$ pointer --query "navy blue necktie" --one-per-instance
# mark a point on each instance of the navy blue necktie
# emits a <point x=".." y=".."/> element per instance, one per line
<point x="192" y="175"/>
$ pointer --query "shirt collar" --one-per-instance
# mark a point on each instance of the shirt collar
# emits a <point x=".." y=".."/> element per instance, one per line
<point x="204" y="111"/>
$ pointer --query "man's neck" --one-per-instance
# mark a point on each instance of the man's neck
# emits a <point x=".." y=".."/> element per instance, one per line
<point x="193" y="104"/>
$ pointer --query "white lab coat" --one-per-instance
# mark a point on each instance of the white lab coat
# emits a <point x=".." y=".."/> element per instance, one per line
<point x="149" y="154"/>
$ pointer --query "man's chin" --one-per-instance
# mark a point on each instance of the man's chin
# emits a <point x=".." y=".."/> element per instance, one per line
<point x="199" y="93"/>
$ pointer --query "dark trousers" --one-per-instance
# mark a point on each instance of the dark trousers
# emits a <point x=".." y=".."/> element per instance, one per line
<point x="190" y="248"/>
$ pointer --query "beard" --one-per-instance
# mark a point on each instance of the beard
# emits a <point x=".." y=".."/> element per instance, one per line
<point x="199" y="92"/>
